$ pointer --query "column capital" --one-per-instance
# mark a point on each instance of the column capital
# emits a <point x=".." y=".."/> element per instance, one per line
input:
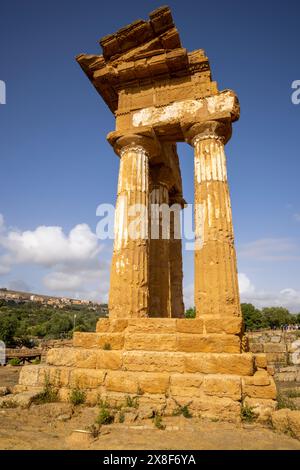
<point x="145" y="140"/>
<point x="218" y="130"/>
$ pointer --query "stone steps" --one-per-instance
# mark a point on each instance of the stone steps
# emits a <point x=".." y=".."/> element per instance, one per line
<point x="214" y="324"/>
<point x="185" y="342"/>
<point x="153" y="361"/>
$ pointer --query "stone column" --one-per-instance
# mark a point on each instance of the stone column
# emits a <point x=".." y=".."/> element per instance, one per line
<point x="159" y="243"/>
<point x="176" y="305"/>
<point x="129" y="280"/>
<point x="216" y="281"/>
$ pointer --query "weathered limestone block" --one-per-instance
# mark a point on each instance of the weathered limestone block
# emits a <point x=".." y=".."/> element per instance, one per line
<point x="150" y="342"/>
<point x="86" y="378"/>
<point x="122" y="382"/>
<point x="260" y="385"/>
<point x="72" y="357"/>
<point x="262" y="407"/>
<point x="223" y="386"/>
<point x="286" y="420"/>
<point x="157" y="383"/>
<point x="208" y="343"/>
<point x="190" y="325"/>
<point x="215" y="407"/>
<point x="210" y="363"/>
<point x="108" y="325"/>
<point x="29" y="375"/>
<point x="98" y="340"/>
<point x="57" y="376"/>
<point x="260" y="361"/>
<point x="273" y="358"/>
<point x="186" y="385"/>
<point x="111" y="360"/>
<point x="152" y="325"/>
<point x="149" y="361"/>
<point x="274" y="348"/>
<point x="223" y="324"/>
<point x="85" y="358"/>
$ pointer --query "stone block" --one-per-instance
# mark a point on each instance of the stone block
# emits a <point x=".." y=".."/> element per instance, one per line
<point x="151" y="325"/>
<point x="72" y="357"/>
<point x="260" y="361"/>
<point x="262" y="407"/>
<point x="252" y="389"/>
<point x="148" y="361"/>
<point x="106" y="325"/>
<point x="223" y="408"/>
<point x="274" y="358"/>
<point x="210" y="363"/>
<point x="154" y="383"/>
<point x="275" y="347"/>
<point x="208" y="343"/>
<point x="29" y="375"/>
<point x="111" y="360"/>
<point x="186" y="385"/>
<point x="222" y="386"/>
<point x="190" y="325"/>
<point x="150" y="342"/>
<point x="57" y="376"/>
<point x="86" y="378"/>
<point x="98" y="340"/>
<point x="228" y="324"/>
<point x="122" y="382"/>
<point x="261" y="377"/>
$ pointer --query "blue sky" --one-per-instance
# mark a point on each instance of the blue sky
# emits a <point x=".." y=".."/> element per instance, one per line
<point x="56" y="166"/>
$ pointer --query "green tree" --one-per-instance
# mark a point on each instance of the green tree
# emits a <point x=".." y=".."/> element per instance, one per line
<point x="8" y="326"/>
<point x="277" y="316"/>
<point x="253" y="318"/>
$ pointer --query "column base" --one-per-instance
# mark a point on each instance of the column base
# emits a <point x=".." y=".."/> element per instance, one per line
<point x="163" y="364"/>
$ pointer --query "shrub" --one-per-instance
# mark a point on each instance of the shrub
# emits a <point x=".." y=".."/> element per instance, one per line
<point x="48" y="395"/>
<point x="131" y="402"/>
<point x="105" y="415"/>
<point x="14" y="361"/>
<point x="157" y="421"/>
<point x="94" y="430"/>
<point x="247" y="414"/>
<point x="121" y="417"/>
<point x="294" y="393"/>
<point x="77" y="396"/>
<point x="183" y="410"/>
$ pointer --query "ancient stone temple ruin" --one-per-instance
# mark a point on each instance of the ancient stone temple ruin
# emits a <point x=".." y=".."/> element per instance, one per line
<point x="160" y="94"/>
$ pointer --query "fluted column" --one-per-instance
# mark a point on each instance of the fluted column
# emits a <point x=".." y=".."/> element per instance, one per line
<point x="129" y="280"/>
<point x="216" y="281"/>
<point x="159" y="244"/>
<point x="176" y="305"/>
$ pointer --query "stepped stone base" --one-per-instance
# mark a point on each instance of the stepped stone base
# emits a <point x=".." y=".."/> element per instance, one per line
<point x="163" y="363"/>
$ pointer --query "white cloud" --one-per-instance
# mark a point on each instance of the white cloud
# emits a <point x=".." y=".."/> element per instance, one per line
<point x="71" y="261"/>
<point x="245" y="285"/>
<point x="49" y="246"/>
<point x="271" y="249"/>
<point x="288" y="297"/>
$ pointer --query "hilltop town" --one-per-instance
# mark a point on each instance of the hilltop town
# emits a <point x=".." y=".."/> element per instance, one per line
<point x="46" y="300"/>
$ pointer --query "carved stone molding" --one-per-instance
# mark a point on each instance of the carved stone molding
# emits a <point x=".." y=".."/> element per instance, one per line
<point x="218" y="130"/>
<point x="146" y="142"/>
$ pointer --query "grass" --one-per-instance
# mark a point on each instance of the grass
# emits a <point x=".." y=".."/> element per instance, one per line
<point x="293" y="393"/>
<point x="94" y="430"/>
<point x="77" y="396"/>
<point x="131" y="402"/>
<point x="285" y="402"/>
<point x="157" y="421"/>
<point x="247" y="414"/>
<point x="105" y="416"/>
<point x="121" y="417"/>
<point x="183" y="410"/>
<point x="36" y="361"/>
<point x="48" y="395"/>
<point x="107" y="346"/>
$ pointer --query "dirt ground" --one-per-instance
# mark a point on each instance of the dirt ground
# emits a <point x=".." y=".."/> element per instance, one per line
<point x="62" y="426"/>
